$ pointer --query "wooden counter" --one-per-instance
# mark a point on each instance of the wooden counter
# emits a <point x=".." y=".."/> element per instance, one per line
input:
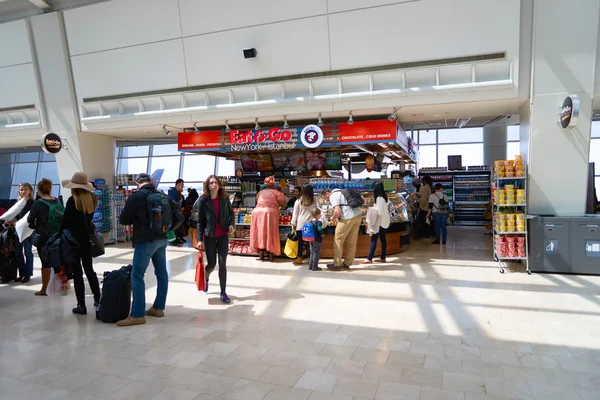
<point x="397" y="242"/>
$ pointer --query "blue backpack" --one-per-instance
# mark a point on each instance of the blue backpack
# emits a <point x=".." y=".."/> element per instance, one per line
<point x="308" y="232"/>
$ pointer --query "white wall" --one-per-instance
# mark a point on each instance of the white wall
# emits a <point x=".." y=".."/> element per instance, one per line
<point x="291" y="37"/>
<point x="17" y="77"/>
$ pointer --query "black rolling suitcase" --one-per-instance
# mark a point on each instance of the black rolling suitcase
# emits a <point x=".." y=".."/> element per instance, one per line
<point x="9" y="261"/>
<point x="116" y="295"/>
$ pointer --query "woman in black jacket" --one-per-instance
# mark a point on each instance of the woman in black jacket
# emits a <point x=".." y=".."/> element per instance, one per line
<point x="40" y="221"/>
<point x="215" y="223"/>
<point x="78" y="220"/>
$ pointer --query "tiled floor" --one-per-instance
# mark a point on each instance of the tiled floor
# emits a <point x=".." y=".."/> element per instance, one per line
<point x="434" y="323"/>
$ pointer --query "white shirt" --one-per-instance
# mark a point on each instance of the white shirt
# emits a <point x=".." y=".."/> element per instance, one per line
<point x="435" y="199"/>
<point x="383" y="212"/>
<point x="338" y="199"/>
<point x="302" y="214"/>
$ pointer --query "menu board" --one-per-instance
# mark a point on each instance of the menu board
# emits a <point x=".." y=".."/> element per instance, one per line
<point x="323" y="160"/>
<point x="293" y="161"/>
<point x="257" y="162"/>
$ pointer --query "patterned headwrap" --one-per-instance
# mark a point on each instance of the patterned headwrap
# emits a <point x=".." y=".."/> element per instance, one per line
<point x="270" y="180"/>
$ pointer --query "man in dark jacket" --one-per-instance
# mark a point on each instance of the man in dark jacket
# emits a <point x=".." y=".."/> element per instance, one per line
<point x="148" y="245"/>
<point x="176" y="194"/>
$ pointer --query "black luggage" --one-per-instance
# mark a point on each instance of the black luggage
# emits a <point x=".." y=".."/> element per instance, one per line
<point x="10" y="263"/>
<point x="116" y="295"/>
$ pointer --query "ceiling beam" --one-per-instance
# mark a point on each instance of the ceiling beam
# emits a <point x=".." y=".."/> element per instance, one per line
<point x="41" y="4"/>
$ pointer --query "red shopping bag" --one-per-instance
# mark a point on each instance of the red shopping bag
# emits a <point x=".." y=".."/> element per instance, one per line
<point x="200" y="281"/>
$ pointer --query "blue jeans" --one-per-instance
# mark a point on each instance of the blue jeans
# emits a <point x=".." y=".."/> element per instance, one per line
<point x="143" y="253"/>
<point x="28" y="249"/>
<point x="439" y="221"/>
<point x="381" y="235"/>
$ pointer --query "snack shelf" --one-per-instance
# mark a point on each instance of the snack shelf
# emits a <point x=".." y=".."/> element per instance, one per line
<point x="500" y="238"/>
<point x="471" y="202"/>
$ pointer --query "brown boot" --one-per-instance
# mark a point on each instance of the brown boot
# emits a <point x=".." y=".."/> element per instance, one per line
<point x="298" y="261"/>
<point x="45" y="280"/>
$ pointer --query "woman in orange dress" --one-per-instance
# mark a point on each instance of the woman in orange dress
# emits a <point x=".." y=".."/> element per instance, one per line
<point x="264" y="229"/>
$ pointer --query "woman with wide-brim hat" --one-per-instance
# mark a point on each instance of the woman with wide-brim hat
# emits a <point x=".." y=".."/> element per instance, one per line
<point x="78" y="220"/>
<point x="264" y="227"/>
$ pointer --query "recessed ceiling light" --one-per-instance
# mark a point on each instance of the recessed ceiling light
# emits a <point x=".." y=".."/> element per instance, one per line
<point x="436" y="115"/>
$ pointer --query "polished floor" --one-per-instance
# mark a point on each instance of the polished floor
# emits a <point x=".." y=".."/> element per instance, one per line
<point x="433" y="323"/>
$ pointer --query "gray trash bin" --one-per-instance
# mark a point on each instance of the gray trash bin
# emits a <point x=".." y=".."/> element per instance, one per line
<point x="585" y="244"/>
<point x="550" y="244"/>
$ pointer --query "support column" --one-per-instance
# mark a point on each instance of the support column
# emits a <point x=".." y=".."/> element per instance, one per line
<point x="494" y="144"/>
<point x="563" y="64"/>
<point x="91" y="153"/>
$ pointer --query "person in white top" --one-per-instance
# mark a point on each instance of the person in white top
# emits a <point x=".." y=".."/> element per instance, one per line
<point x="378" y="228"/>
<point x="439" y="209"/>
<point x="301" y="215"/>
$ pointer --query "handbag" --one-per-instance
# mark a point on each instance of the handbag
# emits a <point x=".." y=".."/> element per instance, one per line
<point x="96" y="242"/>
<point x="291" y="245"/>
<point x="200" y="280"/>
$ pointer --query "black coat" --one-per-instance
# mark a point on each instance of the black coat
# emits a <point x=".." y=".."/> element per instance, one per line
<point x="79" y="224"/>
<point x="136" y="213"/>
<point x="207" y="217"/>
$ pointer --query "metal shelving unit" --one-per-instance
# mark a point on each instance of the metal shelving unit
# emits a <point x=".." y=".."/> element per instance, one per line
<point x="521" y="184"/>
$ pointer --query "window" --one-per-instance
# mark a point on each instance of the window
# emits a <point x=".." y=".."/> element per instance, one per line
<point x="25" y="173"/>
<point x="513" y="133"/>
<point x="595" y="154"/>
<point x="198" y="168"/>
<point x="469" y="135"/>
<point x="165" y="149"/>
<point x="512" y="149"/>
<point x="48" y="170"/>
<point x="133" y="166"/>
<point x="427" y="137"/>
<point x="427" y="156"/>
<point x="225" y="167"/>
<point x="472" y="153"/>
<point x="29" y="157"/>
<point x="169" y="164"/>
<point x="135" y="151"/>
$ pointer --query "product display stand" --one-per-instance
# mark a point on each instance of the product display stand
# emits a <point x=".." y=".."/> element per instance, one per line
<point x="510" y="221"/>
<point x="471" y="197"/>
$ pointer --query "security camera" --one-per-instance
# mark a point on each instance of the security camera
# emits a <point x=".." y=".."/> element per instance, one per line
<point x="508" y="116"/>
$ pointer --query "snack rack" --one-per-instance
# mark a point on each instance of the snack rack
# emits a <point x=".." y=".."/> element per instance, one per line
<point x="509" y="211"/>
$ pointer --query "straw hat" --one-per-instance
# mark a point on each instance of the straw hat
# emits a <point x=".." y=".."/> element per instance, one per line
<point x="78" y="181"/>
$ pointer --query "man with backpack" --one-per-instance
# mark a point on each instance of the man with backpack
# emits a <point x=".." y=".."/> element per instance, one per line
<point x="438" y="210"/>
<point x="152" y="214"/>
<point x="346" y="205"/>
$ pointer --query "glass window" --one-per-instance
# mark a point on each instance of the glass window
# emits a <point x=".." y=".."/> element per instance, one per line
<point x="164" y="187"/>
<point x="472" y="154"/>
<point x="6" y="172"/>
<point x="29" y="157"/>
<point x="427" y="156"/>
<point x="512" y="149"/>
<point x="7" y="158"/>
<point x="48" y="157"/>
<point x="169" y="164"/>
<point x="48" y="170"/>
<point x="596" y="129"/>
<point x="25" y="173"/>
<point x="513" y="133"/>
<point x="56" y="190"/>
<point x="225" y="167"/>
<point x="165" y="150"/>
<point x="5" y="192"/>
<point x="198" y="168"/>
<point x="133" y="165"/>
<point x="427" y="137"/>
<point x="595" y="154"/>
<point x="467" y="135"/>
<point x="14" y="192"/>
<point x="134" y="151"/>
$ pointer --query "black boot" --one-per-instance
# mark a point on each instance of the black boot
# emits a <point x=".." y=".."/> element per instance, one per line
<point x="81" y="310"/>
<point x="25" y="279"/>
<point x="96" y="301"/>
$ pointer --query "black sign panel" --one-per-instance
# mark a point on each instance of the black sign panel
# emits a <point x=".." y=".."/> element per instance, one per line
<point x="569" y="112"/>
<point x="51" y="143"/>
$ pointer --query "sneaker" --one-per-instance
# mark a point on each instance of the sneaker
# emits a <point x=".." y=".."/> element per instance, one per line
<point x="80" y="310"/>
<point x="382" y="260"/>
<point x="333" y="267"/>
<point x="206" y="286"/>
<point x="444" y="242"/>
<point x="345" y="266"/>
<point x="129" y="321"/>
<point x="225" y="299"/>
<point x="316" y="269"/>
<point x="25" y="280"/>
<point x="367" y="262"/>
<point x="435" y="242"/>
<point x="175" y="244"/>
<point x="153" y="312"/>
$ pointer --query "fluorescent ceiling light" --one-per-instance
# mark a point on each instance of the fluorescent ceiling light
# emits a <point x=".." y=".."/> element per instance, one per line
<point x="22" y="125"/>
